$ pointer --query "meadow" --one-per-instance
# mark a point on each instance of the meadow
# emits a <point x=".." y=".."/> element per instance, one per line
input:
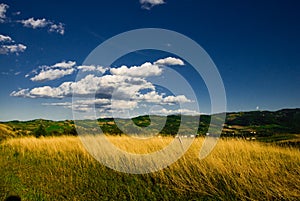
<point x="59" y="168"/>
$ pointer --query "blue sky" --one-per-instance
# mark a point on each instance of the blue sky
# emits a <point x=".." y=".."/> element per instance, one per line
<point x="254" y="44"/>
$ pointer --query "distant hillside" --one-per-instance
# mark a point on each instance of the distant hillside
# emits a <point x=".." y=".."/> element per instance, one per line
<point x="287" y="120"/>
<point x="262" y="124"/>
<point x="281" y="127"/>
<point x="35" y="127"/>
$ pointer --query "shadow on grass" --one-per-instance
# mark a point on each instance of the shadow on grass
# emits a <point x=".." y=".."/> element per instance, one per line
<point x="13" y="198"/>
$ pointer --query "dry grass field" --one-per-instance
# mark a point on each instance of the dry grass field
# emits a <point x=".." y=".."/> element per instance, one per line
<point x="59" y="168"/>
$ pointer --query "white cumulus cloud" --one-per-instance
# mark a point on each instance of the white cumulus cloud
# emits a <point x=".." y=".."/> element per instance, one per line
<point x="52" y="74"/>
<point x="7" y="46"/>
<point x="45" y="92"/>
<point x="21" y="93"/>
<point x="169" y="61"/>
<point x="154" y="97"/>
<point x="4" y="38"/>
<point x="92" y="68"/>
<point x="3" y="9"/>
<point x="176" y="99"/>
<point x="166" y="112"/>
<point x="56" y="71"/>
<point x="124" y="87"/>
<point x="64" y="64"/>
<point x="42" y="23"/>
<point x="58" y="28"/>
<point x="16" y="48"/>
<point x="61" y="69"/>
<point x="145" y="70"/>
<point x="120" y="89"/>
<point x="148" y="4"/>
<point x="35" y="23"/>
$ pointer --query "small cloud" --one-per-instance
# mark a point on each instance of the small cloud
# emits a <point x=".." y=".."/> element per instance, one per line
<point x="45" y="91"/>
<point x="154" y="97"/>
<point x="3" y="8"/>
<point x="65" y="104"/>
<point x="33" y="72"/>
<point x="166" y="112"/>
<point x="148" y="4"/>
<point x="58" y="28"/>
<point x="21" y="93"/>
<point x="92" y="68"/>
<point x="169" y="61"/>
<point x="52" y="74"/>
<point x="6" y="46"/>
<point x="64" y="64"/>
<point x="6" y="39"/>
<point x="41" y="23"/>
<point x="11" y="72"/>
<point x="16" y="48"/>
<point x="17" y="13"/>
<point x="32" y="23"/>
<point x="145" y="70"/>
<point x="175" y="99"/>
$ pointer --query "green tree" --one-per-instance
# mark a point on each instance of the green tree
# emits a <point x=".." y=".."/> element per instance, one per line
<point x="70" y="131"/>
<point x="40" y="131"/>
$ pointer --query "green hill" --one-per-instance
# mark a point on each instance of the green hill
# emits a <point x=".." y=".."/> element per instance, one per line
<point x="263" y="125"/>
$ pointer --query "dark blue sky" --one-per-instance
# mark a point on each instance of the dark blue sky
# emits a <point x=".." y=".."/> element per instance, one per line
<point x="254" y="44"/>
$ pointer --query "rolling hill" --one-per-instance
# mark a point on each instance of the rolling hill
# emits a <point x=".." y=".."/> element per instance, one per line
<point x="263" y="125"/>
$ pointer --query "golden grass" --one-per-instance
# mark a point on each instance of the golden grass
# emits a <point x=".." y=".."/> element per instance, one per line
<point x="140" y="145"/>
<point x="248" y="169"/>
<point x="52" y="145"/>
<point x="235" y="170"/>
<point x="6" y="131"/>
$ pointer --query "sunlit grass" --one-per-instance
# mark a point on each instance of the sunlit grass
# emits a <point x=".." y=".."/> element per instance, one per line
<point x="59" y="168"/>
